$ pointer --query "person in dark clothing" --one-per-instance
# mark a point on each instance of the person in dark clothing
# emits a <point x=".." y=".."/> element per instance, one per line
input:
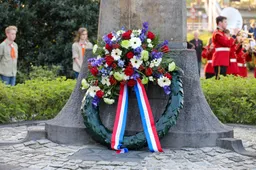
<point x="252" y="30"/>
<point x="198" y="44"/>
<point x="190" y="46"/>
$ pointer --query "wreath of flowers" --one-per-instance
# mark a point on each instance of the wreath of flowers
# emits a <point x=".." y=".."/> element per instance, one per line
<point x="122" y="58"/>
<point x="125" y="56"/>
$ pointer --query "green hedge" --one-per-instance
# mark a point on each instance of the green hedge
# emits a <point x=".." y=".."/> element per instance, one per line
<point x="37" y="99"/>
<point x="232" y="99"/>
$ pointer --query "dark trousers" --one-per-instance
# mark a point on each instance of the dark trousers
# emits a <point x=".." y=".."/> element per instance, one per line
<point x="209" y="75"/>
<point x="220" y="70"/>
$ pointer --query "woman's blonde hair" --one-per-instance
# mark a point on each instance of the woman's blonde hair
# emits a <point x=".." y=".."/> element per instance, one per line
<point x="7" y="29"/>
<point x="79" y="33"/>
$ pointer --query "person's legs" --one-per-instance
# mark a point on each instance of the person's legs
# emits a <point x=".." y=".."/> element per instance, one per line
<point x="5" y="79"/>
<point x="220" y="70"/>
<point x="76" y="74"/>
<point x="209" y="75"/>
<point x="12" y="81"/>
<point x="223" y="70"/>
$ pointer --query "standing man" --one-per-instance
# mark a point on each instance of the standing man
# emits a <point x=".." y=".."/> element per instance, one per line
<point x="198" y="44"/>
<point x="222" y="45"/>
<point x="9" y="56"/>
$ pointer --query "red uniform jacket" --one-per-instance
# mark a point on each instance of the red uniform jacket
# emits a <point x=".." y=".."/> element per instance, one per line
<point x="222" y="46"/>
<point x="207" y="54"/>
<point x="233" y="68"/>
<point x="242" y="57"/>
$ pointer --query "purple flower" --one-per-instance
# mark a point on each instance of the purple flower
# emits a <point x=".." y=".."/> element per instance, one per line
<point x="162" y="44"/>
<point x="167" y="90"/>
<point x="120" y="63"/>
<point x="95" y="101"/>
<point x="104" y="72"/>
<point x="106" y="39"/>
<point x="96" y="62"/>
<point x="90" y="60"/>
<point x="142" y="35"/>
<point x="145" y="25"/>
<point x="135" y="76"/>
<point x="138" y="50"/>
<point x="156" y="55"/>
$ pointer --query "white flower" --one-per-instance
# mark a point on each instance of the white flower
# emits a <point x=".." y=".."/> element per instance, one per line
<point x="149" y="40"/>
<point x="98" y="57"/>
<point x="106" y="51"/>
<point x="155" y="62"/>
<point x="113" y="39"/>
<point x="126" y="77"/>
<point x="136" y="62"/>
<point x="92" y="90"/>
<point x="164" y="81"/>
<point x="105" y="80"/>
<point x="151" y="78"/>
<point x="95" y="47"/>
<point x="118" y="33"/>
<point x="150" y="45"/>
<point x="135" y="42"/>
<point x="132" y="35"/>
<point x="108" y="101"/>
<point x="116" y="53"/>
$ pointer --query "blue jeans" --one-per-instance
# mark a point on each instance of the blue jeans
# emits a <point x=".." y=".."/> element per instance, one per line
<point x="76" y="74"/>
<point x="8" y="80"/>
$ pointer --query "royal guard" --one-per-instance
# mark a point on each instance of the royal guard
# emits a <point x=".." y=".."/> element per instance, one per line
<point x="243" y="56"/>
<point x="222" y="45"/>
<point x="207" y="54"/>
<point x="233" y="68"/>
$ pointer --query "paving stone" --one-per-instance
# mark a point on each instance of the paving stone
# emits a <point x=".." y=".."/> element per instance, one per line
<point x="30" y="143"/>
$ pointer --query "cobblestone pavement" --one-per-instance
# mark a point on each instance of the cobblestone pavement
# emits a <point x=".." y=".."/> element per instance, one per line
<point x="44" y="154"/>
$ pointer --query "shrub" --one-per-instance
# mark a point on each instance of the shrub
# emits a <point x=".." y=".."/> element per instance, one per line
<point x="232" y="99"/>
<point x="34" y="100"/>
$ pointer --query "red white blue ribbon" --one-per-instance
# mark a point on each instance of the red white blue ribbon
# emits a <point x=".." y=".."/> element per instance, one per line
<point x="120" y="121"/>
<point x="147" y="118"/>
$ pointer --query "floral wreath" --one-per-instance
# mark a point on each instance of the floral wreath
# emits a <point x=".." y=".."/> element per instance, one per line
<point x="130" y="59"/>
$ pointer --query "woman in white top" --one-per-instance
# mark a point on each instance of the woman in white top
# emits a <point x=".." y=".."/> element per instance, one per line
<point x="81" y="43"/>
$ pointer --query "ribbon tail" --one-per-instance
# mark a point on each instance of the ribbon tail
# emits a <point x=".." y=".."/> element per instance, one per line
<point x="147" y="118"/>
<point x="120" y="121"/>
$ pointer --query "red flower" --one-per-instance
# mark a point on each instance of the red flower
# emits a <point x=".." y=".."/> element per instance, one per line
<point x="123" y="82"/>
<point x="141" y="68"/>
<point x="131" y="83"/>
<point x="115" y="46"/>
<point x="108" y="47"/>
<point x="109" y="60"/>
<point x="99" y="93"/>
<point x="96" y="83"/>
<point x="127" y="35"/>
<point x="160" y="70"/>
<point x="110" y="36"/>
<point x="114" y="65"/>
<point x="168" y="75"/>
<point x="165" y="49"/>
<point x="112" y="80"/>
<point x="148" y="71"/>
<point x="151" y="35"/>
<point x="129" y="55"/>
<point x="94" y="71"/>
<point x="128" y="71"/>
<point x="144" y="46"/>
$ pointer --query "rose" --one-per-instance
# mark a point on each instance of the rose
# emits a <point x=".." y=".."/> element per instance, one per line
<point x="114" y="65"/>
<point x="112" y="80"/>
<point x="141" y="68"/>
<point x="168" y="75"/>
<point x="94" y="71"/>
<point x="150" y="35"/>
<point x="127" y="35"/>
<point x="85" y="84"/>
<point x="128" y="71"/>
<point x="99" y="93"/>
<point x="123" y="82"/>
<point x="160" y="70"/>
<point x="108" y="47"/>
<point x="118" y="76"/>
<point x="110" y="36"/>
<point x="171" y="66"/>
<point x="129" y="55"/>
<point x="144" y="80"/>
<point x="165" y="49"/>
<point x="148" y="71"/>
<point x="145" y="55"/>
<point x="109" y="60"/>
<point x="108" y="101"/>
<point x="131" y="83"/>
<point x="115" y="46"/>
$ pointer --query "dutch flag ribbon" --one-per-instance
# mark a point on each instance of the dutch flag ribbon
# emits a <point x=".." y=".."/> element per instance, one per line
<point x="146" y="117"/>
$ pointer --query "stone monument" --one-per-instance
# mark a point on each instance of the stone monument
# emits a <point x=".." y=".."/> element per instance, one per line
<point x="197" y="126"/>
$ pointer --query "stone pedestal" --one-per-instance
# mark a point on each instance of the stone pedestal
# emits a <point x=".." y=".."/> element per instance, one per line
<point x="197" y="126"/>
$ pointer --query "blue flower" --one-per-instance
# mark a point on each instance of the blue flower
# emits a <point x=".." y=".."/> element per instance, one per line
<point x="162" y="44"/>
<point x="120" y="63"/>
<point x="95" y="101"/>
<point x="145" y="25"/>
<point x="135" y="76"/>
<point x="106" y="39"/>
<point x="167" y="90"/>
<point x="142" y="36"/>
<point x="156" y="55"/>
<point x="138" y="50"/>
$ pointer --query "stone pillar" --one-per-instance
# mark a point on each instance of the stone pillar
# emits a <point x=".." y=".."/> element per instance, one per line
<point x="197" y="126"/>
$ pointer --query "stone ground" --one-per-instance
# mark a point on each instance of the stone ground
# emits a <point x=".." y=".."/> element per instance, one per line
<point x="44" y="154"/>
